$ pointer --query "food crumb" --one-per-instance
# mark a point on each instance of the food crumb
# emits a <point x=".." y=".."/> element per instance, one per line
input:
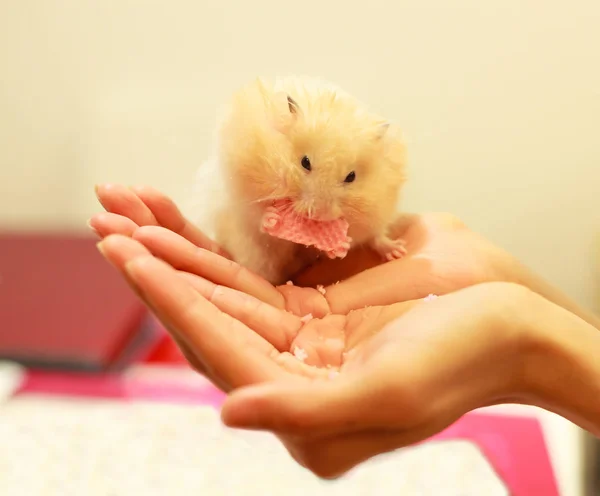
<point x="289" y="283"/>
<point x="307" y="318"/>
<point x="430" y="297"/>
<point x="333" y="374"/>
<point x="300" y="354"/>
<point x="321" y="289"/>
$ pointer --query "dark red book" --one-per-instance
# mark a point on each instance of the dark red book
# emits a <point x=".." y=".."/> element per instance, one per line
<point x="63" y="306"/>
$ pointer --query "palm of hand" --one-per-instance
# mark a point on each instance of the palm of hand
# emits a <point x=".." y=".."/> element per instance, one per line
<point x="324" y="347"/>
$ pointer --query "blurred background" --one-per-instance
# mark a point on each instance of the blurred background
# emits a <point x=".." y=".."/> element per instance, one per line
<point x="499" y="101"/>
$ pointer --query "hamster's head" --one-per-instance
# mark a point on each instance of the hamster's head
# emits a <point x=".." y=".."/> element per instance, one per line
<point x="318" y="148"/>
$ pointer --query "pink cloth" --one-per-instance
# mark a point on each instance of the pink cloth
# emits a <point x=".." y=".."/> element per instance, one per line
<point x="281" y="221"/>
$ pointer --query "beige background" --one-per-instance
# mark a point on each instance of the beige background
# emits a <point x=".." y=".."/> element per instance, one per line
<point x="500" y="101"/>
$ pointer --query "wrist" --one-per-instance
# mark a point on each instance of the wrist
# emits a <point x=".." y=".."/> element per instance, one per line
<point x="521" y="274"/>
<point x="560" y="369"/>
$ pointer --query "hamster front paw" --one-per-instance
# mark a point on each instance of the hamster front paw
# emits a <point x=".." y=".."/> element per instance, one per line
<point x="389" y="249"/>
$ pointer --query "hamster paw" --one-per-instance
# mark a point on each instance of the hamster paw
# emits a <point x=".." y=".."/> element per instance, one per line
<point x="390" y="249"/>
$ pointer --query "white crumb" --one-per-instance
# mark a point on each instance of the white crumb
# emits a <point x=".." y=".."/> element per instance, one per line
<point x="307" y="318"/>
<point x="430" y="297"/>
<point x="300" y="354"/>
<point x="289" y="283"/>
<point x="321" y="289"/>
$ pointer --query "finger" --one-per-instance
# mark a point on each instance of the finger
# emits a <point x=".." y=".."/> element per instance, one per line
<point x="358" y="260"/>
<point x="120" y="250"/>
<point x="228" y="349"/>
<point x="169" y="216"/>
<point x="311" y="408"/>
<point x="204" y="329"/>
<point x="196" y="364"/>
<point x="183" y="255"/>
<point x="375" y="287"/>
<point x="128" y="250"/>
<point x="118" y="199"/>
<point x="105" y="224"/>
<point x="329" y="272"/>
<point x="304" y="301"/>
<point x="276" y="326"/>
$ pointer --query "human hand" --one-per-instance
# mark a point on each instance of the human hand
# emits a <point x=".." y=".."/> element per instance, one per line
<point x="154" y="220"/>
<point x="443" y="256"/>
<point x="373" y="380"/>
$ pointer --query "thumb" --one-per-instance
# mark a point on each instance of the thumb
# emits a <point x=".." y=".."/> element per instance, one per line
<point x="315" y="408"/>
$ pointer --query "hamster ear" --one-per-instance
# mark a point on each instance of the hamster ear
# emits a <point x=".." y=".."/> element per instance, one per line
<point x="285" y="104"/>
<point x="287" y="111"/>
<point x="292" y="105"/>
<point x="382" y="129"/>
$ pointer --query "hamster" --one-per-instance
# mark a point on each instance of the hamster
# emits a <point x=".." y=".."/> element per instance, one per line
<point x="308" y="141"/>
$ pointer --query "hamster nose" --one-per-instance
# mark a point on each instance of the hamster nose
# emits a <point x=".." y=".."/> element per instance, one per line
<point x="325" y="211"/>
<point x="316" y="207"/>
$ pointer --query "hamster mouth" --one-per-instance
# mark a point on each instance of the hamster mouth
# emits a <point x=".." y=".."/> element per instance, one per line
<point x="330" y="236"/>
<point x="309" y="212"/>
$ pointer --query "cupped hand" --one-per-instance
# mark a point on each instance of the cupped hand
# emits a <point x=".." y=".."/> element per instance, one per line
<point x="283" y="343"/>
<point x="443" y="255"/>
<point x="339" y="389"/>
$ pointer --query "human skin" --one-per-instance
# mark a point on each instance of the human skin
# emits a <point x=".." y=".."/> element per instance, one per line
<point x="405" y="371"/>
<point x="443" y="255"/>
<point x="500" y="334"/>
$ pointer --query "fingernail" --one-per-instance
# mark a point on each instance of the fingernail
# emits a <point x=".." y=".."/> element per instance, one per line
<point x="101" y="248"/>
<point x="92" y="228"/>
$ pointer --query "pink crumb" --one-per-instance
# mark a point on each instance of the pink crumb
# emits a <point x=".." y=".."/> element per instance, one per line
<point x="280" y="220"/>
<point x="307" y="318"/>
<point x="321" y="289"/>
<point x="430" y="297"/>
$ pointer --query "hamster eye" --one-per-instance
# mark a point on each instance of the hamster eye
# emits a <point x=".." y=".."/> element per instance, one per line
<point x="350" y="177"/>
<point x="305" y="163"/>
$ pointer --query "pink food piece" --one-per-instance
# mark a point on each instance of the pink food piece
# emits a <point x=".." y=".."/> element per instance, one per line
<point x="281" y="221"/>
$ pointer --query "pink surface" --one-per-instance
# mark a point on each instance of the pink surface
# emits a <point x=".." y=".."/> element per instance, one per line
<point x="116" y="387"/>
<point x="514" y="446"/>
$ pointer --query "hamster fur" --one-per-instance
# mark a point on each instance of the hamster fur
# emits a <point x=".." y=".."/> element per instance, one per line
<point x="306" y="140"/>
